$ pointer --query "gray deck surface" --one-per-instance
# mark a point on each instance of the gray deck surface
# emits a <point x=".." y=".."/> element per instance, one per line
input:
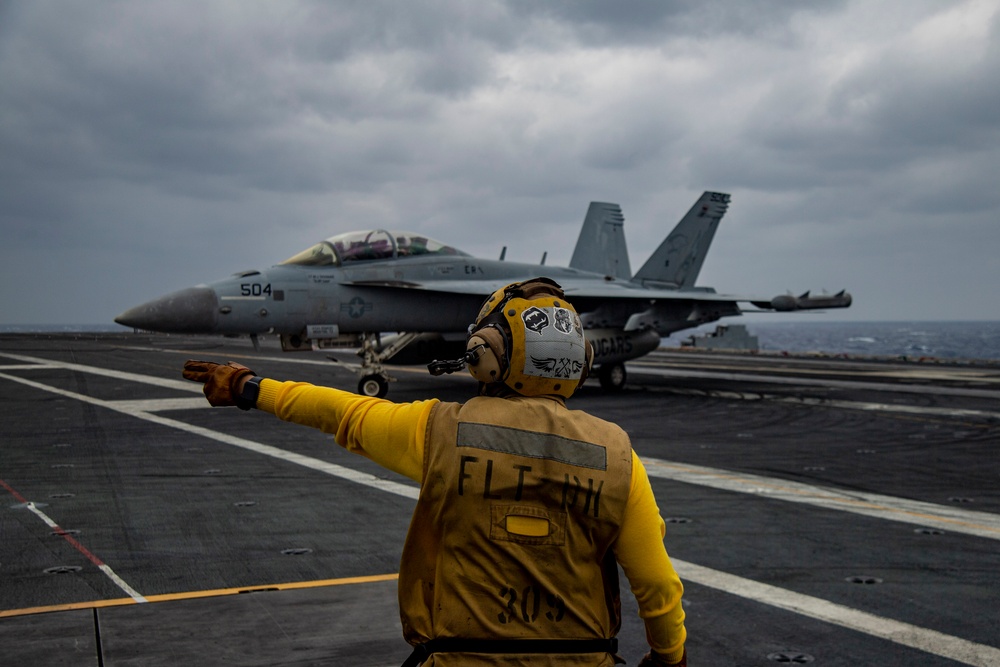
<point x="838" y="512"/>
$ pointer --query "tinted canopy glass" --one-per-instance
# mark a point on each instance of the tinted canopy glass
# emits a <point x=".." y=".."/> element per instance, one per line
<point x="370" y="245"/>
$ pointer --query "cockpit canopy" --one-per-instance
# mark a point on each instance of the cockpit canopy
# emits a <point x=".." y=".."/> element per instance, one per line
<point x="369" y="245"/>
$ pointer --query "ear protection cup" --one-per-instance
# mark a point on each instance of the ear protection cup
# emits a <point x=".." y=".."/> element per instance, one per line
<point x="488" y="348"/>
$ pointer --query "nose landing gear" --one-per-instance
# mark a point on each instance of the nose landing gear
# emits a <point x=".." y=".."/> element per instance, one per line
<point x="374" y="378"/>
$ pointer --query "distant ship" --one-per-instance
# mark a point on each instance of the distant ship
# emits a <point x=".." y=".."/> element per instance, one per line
<point x="725" y="337"/>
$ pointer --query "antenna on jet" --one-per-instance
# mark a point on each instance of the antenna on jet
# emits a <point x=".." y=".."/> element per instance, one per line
<point x="503" y="253"/>
<point x="544" y="255"/>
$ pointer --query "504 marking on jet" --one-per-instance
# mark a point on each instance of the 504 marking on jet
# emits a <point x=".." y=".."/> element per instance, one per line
<point x="255" y="289"/>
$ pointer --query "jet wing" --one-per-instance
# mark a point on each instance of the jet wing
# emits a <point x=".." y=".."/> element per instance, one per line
<point x="575" y="289"/>
<point x="629" y="290"/>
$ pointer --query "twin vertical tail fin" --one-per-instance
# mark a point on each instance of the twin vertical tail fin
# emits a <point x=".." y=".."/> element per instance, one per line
<point x="677" y="262"/>
<point x="600" y="248"/>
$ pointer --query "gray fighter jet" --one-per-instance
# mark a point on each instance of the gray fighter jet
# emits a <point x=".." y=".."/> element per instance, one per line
<point x="404" y="297"/>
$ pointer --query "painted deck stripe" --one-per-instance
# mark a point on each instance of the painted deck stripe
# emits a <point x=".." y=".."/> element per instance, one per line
<point x="101" y="565"/>
<point x="97" y="562"/>
<point x="790" y="366"/>
<point x="182" y="385"/>
<point x="961" y="413"/>
<point x="867" y="406"/>
<point x="332" y="469"/>
<point x="923" y="639"/>
<point x="192" y="595"/>
<point x="162" y="404"/>
<point x="980" y="524"/>
<point x="646" y="369"/>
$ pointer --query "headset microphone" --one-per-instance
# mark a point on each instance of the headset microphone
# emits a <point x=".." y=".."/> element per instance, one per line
<point x="471" y="358"/>
<point x="437" y="367"/>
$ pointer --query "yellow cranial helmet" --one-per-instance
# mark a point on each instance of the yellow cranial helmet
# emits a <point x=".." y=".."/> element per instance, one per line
<point x="529" y="338"/>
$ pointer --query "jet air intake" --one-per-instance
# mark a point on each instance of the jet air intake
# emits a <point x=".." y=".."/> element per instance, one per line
<point x="615" y="346"/>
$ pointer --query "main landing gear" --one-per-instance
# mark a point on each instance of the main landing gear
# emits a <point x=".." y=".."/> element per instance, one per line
<point x="612" y="376"/>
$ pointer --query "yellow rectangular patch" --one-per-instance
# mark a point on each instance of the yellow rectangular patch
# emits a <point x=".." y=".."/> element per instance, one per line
<point x="527" y="525"/>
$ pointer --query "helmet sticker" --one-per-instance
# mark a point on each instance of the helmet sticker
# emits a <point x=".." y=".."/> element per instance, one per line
<point x="564" y="320"/>
<point x="560" y="368"/>
<point x="535" y="319"/>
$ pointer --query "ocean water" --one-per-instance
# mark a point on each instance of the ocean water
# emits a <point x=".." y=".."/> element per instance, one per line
<point x="913" y="340"/>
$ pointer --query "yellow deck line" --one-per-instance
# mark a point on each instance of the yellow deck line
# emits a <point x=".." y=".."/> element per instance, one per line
<point x="192" y="595"/>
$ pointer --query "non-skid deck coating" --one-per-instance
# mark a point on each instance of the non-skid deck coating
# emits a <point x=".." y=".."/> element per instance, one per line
<point x="829" y="511"/>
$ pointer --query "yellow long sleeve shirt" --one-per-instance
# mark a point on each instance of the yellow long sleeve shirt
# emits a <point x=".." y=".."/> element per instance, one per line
<point x="392" y="435"/>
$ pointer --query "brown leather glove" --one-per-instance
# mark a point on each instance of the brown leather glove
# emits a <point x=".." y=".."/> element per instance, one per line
<point x="222" y="382"/>
<point x="654" y="659"/>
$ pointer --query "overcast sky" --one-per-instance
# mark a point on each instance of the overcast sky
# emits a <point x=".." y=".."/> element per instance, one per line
<point x="150" y="146"/>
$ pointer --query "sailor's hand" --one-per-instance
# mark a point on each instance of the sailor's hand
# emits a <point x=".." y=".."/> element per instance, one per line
<point x="654" y="659"/>
<point x="223" y="382"/>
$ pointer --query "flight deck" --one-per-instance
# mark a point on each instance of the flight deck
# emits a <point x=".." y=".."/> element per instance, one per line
<point x="819" y="510"/>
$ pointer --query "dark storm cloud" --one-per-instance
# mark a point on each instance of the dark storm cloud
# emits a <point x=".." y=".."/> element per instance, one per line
<point x="178" y="94"/>
<point x="650" y="22"/>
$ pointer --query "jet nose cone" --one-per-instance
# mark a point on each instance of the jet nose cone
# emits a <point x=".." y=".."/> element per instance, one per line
<point x="191" y="310"/>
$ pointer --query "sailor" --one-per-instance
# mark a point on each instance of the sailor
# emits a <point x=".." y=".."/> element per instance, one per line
<point x="526" y="508"/>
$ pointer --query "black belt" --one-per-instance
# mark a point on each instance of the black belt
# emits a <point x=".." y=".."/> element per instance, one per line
<point x="461" y="645"/>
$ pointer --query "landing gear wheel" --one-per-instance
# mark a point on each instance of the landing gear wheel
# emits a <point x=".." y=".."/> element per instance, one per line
<point x="612" y="377"/>
<point x="373" y="385"/>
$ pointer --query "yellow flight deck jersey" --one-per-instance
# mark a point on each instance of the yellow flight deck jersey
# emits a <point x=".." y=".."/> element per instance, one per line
<point x="525" y="507"/>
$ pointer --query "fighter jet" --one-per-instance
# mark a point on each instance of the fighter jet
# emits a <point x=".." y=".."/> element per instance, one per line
<point x="404" y="297"/>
